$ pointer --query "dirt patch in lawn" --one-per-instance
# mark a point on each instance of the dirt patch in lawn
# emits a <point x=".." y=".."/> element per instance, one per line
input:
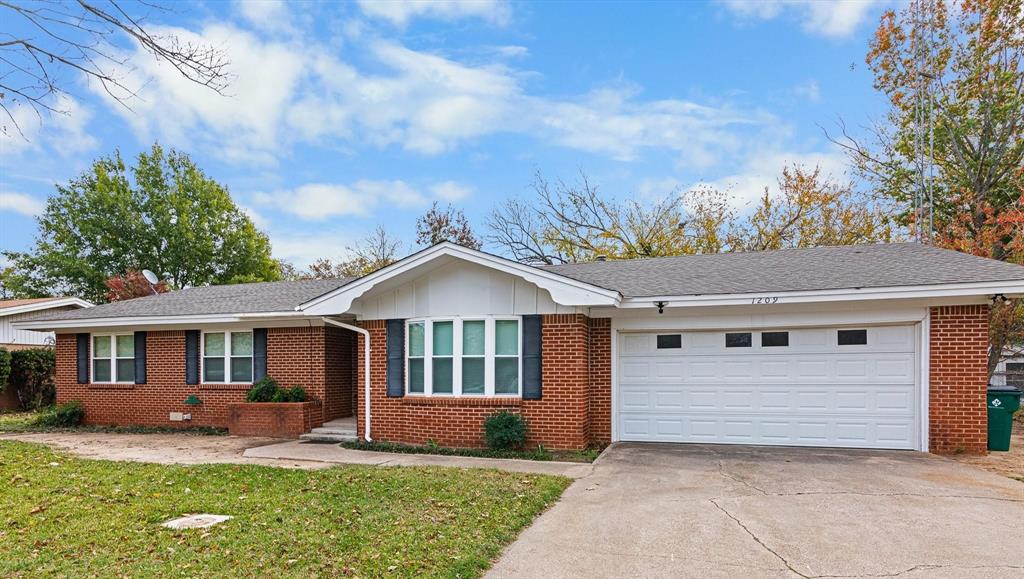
<point x="1009" y="463"/>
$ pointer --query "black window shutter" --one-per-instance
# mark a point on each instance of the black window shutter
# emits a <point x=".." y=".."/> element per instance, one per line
<point x="140" y="357"/>
<point x="396" y="358"/>
<point x="191" y="356"/>
<point x="259" y="354"/>
<point x="532" y="358"/>
<point x="82" y="357"/>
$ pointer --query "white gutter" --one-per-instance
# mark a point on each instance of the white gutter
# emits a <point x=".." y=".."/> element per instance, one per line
<point x="366" y="370"/>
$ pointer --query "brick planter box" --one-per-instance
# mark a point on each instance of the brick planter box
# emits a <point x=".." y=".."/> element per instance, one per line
<point x="274" y="419"/>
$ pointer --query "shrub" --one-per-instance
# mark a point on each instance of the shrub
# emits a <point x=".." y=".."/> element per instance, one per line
<point x="504" y="431"/>
<point x="268" y="390"/>
<point x="5" y="367"/>
<point x="32" y="377"/>
<point x="64" y="415"/>
<point x="297" y="394"/>
<point x="264" y="390"/>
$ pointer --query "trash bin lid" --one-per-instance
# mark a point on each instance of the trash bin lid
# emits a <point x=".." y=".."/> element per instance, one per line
<point x="996" y="389"/>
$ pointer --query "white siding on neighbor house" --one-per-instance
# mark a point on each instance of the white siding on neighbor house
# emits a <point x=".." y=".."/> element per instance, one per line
<point x="458" y="289"/>
<point x="9" y="335"/>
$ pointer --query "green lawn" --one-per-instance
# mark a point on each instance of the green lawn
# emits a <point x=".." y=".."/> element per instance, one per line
<point x="16" y="421"/>
<point x="61" y="515"/>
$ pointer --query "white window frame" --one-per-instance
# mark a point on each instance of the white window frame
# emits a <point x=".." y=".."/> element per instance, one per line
<point x="489" y="355"/>
<point x="227" y="357"/>
<point x="112" y="358"/>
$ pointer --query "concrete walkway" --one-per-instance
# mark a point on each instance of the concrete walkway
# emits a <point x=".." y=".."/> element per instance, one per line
<point x="334" y="454"/>
<point x="653" y="510"/>
<point x="184" y="448"/>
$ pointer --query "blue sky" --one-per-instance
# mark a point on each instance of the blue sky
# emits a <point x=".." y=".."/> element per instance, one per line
<point x="345" y="116"/>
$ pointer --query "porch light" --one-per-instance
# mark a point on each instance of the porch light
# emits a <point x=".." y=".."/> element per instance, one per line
<point x="660" y="306"/>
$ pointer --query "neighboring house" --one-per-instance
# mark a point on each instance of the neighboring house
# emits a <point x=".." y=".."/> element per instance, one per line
<point x="1010" y="370"/>
<point x="18" y="310"/>
<point x="876" y="346"/>
<point x="17" y="339"/>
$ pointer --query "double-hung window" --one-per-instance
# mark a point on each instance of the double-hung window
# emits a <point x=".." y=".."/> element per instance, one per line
<point x="227" y="357"/>
<point x="113" y="358"/>
<point x="463" y="357"/>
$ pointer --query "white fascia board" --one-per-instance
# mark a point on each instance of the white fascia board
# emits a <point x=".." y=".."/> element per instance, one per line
<point x="136" y="321"/>
<point x="49" y="304"/>
<point x="563" y="290"/>
<point x="1011" y="289"/>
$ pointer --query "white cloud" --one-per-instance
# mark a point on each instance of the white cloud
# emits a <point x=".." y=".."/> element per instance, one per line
<point x="320" y="201"/>
<point x="835" y="19"/>
<point x="268" y="15"/>
<point x="400" y="12"/>
<point x="20" y="203"/>
<point x="303" y="249"/>
<point x="808" y="90"/>
<point x="63" y="131"/>
<point x="451" y="191"/>
<point x="292" y="91"/>
<point x="763" y="168"/>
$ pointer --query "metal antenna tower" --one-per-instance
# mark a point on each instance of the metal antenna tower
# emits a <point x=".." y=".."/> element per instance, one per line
<point x="923" y="78"/>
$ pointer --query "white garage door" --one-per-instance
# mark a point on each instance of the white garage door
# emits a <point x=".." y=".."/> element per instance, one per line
<point x="844" y="387"/>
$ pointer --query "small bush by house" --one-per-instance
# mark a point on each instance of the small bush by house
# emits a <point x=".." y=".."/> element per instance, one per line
<point x="267" y="389"/>
<point x="32" y="374"/>
<point x="65" y="415"/>
<point x="5" y="367"/>
<point x="505" y="431"/>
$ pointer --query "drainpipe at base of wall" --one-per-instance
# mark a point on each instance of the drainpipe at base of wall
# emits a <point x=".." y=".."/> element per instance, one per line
<point x="366" y="369"/>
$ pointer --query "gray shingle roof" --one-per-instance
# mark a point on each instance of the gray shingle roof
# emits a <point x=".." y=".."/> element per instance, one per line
<point x="819" y="268"/>
<point x="277" y="296"/>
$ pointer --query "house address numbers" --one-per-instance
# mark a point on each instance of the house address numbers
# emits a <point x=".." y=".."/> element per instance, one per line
<point x="767" y="300"/>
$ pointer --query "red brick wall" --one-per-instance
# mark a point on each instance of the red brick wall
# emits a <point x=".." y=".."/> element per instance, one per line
<point x="276" y="420"/>
<point x="340" y="373"/>
<point x="958" y="374"/>
<point x="295" y="356"/>
<point x="561" y="419"/>
<point x="600" y="381"/>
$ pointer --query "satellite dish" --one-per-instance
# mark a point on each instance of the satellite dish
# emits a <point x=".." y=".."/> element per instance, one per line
<point x="150" y="277"/>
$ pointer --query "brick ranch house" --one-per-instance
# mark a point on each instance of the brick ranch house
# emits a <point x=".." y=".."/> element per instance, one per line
<point x="875" y="346"/>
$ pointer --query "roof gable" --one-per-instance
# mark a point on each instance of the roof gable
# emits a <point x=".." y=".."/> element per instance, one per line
<point x="563" y="290"/>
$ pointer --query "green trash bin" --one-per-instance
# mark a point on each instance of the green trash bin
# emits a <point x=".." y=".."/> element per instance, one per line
<point x="1003" y="401"/>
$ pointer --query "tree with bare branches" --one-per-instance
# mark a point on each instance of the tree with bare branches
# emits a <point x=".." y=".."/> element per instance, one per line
<point x="375" y="251"/>
<point x="42" y="42"/>
<point x="445" y="224"/>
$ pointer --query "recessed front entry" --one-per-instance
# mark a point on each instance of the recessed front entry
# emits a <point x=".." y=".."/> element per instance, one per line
<point x="833" y="387"/>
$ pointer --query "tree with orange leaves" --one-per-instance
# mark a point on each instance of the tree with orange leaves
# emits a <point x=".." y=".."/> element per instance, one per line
<point x="132" y="285"/>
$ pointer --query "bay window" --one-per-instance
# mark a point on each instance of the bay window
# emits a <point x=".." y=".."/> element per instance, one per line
<point x="227" y="357"/>
<point x="113" y="358"/>
<point x="463" y="357"/>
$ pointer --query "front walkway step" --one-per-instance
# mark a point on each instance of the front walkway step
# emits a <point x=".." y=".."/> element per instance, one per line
<point x="315" y="436"/>
<point x="334" y="430"/>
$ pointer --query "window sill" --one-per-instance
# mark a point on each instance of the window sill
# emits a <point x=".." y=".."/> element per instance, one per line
<point x="414" y="400"/>
<point x="223" y="386"/>
<point x="112" y="386"/>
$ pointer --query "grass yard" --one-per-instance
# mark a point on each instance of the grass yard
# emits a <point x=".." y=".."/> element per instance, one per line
<point x="20" y="421"/>
<point x="16" y="421"/>
<point x="66" y="516"/>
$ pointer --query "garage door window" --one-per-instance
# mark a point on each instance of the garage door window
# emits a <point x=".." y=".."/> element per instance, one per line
<point x="774" y="339"/>
<point x="464" y="357"/>
<point x="670" y="341"/>
<point x="853" y="337"/>
<point x="738" y="340"/>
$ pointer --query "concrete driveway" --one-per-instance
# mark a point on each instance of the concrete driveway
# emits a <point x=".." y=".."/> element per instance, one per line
<point x="652" y="510"/>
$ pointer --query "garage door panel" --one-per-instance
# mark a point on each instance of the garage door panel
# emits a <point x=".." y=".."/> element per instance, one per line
<point x="816" y="393"/>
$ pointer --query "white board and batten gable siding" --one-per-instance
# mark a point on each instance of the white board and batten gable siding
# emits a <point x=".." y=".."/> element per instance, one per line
<point x="10" y="335"/>
<point x="459" y="289"/>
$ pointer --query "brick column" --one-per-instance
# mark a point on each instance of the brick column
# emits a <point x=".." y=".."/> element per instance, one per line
<point x="958" y="373"/>
<point x="600" y="381"/>
<point x="561" y="419"/>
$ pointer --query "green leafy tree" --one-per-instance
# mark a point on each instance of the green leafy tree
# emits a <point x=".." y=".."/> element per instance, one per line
<point x="163" y="214"/>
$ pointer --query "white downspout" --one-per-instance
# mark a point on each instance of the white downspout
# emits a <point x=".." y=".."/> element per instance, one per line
<point x="366" y="370"/>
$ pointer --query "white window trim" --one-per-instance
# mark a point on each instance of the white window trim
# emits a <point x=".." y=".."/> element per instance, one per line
<point x="227" y="357"/>
<point x="489" y="355"/>
<point x="112" y="358"/>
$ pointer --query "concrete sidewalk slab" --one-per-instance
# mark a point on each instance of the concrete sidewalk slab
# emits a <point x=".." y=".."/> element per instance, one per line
<point x="294" y="450"/>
